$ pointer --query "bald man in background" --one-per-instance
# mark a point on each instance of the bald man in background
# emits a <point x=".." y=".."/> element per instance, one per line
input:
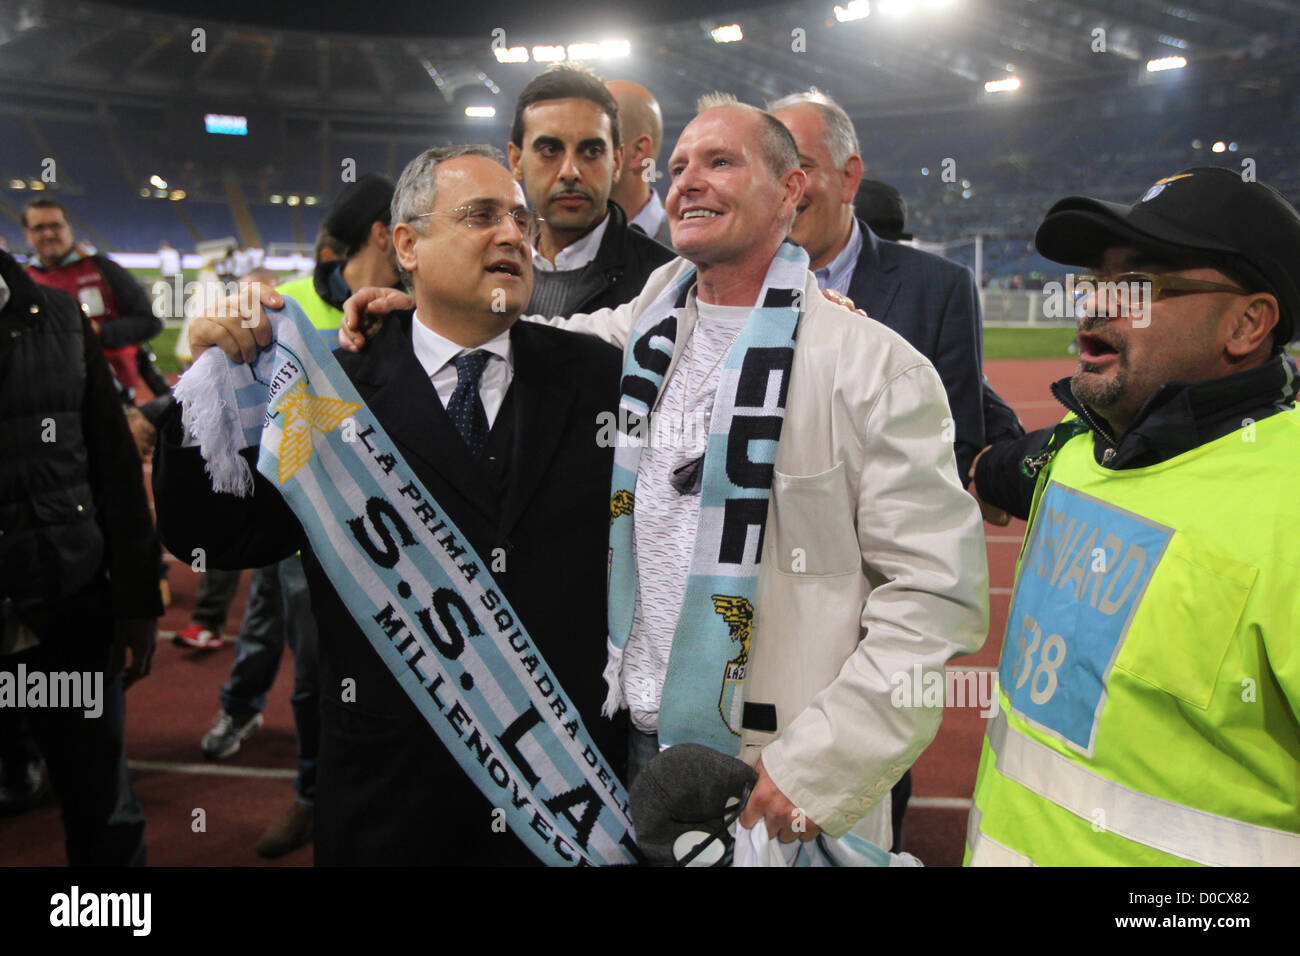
<point x="642" y="133"/>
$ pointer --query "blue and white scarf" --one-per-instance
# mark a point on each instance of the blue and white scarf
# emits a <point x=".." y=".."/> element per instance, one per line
<point x="415" y="586"/>
<point x="704" y="688"/>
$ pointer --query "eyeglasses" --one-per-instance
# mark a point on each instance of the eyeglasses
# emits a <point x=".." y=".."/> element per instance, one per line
<point x="489" y="216"/>
<point x="1128" y="293"/>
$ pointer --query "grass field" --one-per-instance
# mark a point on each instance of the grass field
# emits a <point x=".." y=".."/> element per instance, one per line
<point x="1050" y="342"/>
<point x="998" y="344"/>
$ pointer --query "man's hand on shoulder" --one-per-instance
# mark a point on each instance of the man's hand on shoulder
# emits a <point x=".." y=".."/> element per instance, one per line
<point x="783" y="819"/>
<point x="363" y="314"/>
<point x="840" y="298"/>
<point x="236" y="324"/>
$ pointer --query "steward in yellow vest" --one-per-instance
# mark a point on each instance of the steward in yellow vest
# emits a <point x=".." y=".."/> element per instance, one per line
<point x="1149" y="687"/>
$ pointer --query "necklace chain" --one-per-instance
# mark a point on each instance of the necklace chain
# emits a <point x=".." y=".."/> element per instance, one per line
<point x="692" y="396"/>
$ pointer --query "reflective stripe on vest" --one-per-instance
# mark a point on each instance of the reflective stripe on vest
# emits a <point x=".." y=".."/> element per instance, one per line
<point x="983" y="850"/>
<point x="1172" y="828"/>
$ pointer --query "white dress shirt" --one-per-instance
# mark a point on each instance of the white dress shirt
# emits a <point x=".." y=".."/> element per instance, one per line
<point x="435" y="353"/>
<point x="838" y="273"/>
<point x="651" y="216"/>
<point x="576" y="254"/>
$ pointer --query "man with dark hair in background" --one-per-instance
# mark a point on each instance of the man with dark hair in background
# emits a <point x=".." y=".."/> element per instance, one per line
<point x="118" y="308"/>
<point x="566" y="149"/>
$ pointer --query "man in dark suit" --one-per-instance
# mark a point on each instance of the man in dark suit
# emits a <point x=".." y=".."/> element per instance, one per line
<point x="566" y="149"/>
<point x="498" y="420"/>
<point x="930" y="301"/>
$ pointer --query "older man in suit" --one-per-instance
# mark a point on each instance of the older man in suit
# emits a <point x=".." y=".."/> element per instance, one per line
<point x="496" y="419"/>
<point x="930" y="301"/>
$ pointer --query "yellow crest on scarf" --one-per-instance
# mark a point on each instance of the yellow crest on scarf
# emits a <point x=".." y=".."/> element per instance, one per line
<point x="304" y="415"/>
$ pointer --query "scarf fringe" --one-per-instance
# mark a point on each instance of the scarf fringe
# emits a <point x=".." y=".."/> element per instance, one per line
<point x="613" y="675"/>
<point x="210" y="418"/>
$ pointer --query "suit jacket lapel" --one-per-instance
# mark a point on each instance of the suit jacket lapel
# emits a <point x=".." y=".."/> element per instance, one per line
<point x="542" y="398"/>
<point x="874" y="284"/>
<point x="396" y="388"/>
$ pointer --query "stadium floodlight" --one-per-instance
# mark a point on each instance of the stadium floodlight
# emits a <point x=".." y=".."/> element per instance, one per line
<point x="17" y="184"/>
<point x="1219" y="147"/>
<point x="1166" y="63"/>
<point x="1008" y="85"/>
<point x="483" y="112"/>
<point x="309" y="200"/>
<point x="157" y="181"/>
<point x="144" y="192"/>
<point x="731" y="33"/>
<point x="615" y="49"/>
<point x="293" y="200"/>
<point x="584" y="51"/>
<point x="853" y="10"/>
<point x="177" y="195"/>
<point x="276" y="199"/>
<point x="548" y="54"/>
<point x="515" y="54"/>
<point x="35" y="184"/>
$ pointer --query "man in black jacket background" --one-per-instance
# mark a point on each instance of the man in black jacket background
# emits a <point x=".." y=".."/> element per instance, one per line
<point x="565" y="149"/>
<point x="78" y="563"/>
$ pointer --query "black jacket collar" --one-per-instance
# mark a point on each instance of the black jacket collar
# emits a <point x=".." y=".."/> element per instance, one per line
<point x="1181" y="416"/>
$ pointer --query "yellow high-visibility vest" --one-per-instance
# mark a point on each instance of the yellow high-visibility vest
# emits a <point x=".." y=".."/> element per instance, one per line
<point x="1149" y="688"/>
<point x="325" y="317"/>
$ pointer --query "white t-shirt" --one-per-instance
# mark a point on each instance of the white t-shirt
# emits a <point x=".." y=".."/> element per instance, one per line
<point x="664" y="522"/>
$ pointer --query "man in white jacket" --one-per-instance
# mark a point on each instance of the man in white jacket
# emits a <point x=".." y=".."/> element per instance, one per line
<point x="872" y="556"/>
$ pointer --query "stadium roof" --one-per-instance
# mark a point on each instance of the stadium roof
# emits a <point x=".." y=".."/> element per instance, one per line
<point x="433" y="60"/>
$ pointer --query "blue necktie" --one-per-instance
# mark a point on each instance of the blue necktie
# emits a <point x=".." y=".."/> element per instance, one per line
<point x="466" y="407"/>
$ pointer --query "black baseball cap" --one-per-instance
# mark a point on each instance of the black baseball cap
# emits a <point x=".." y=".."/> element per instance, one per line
<point x="1209" y="211"/>
<point x="881" y="207"/>
<point x="359" y="204"/>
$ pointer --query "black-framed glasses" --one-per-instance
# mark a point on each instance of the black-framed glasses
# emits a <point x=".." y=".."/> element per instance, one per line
<point x="1127" y="293"/>
<point x="489" y="216"/>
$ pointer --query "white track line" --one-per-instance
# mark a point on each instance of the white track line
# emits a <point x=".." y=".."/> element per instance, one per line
<point x="211" y="769"/>
<point x="1003" y="539"/>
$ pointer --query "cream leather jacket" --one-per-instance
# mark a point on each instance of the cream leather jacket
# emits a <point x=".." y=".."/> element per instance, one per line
<point x="873" y="561"/>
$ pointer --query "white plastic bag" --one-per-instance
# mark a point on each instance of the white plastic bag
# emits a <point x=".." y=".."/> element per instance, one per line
<point x="755" y="848"/>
